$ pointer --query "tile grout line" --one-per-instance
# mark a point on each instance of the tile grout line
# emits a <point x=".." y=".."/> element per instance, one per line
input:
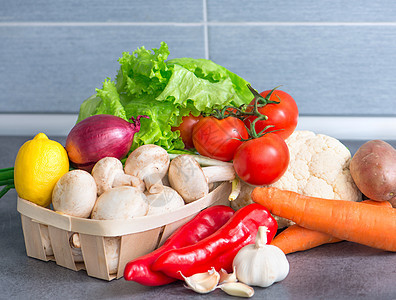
<point x="205" y="28"/>
<point x="92" y="24"/>
<point x="205" y="23"/>
<point x="230" y="24"/>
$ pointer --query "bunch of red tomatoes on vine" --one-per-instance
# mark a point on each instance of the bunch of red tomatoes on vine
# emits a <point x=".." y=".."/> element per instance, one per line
<point x="251" y="136"/>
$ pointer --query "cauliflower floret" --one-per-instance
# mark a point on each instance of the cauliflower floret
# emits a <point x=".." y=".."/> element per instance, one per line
<point x="319" y="167"/>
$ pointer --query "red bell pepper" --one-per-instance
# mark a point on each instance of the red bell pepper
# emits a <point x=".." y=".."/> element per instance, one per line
<point x="219" y="249"/>
<point x="202" y="225"/>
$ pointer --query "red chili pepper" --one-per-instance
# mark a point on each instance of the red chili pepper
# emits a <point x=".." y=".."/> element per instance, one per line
<point x="219" y="249"/>
<point x="202" y="225"/>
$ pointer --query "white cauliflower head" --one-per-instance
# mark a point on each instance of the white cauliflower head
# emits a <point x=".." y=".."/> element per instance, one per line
<point x="319" y="167"/>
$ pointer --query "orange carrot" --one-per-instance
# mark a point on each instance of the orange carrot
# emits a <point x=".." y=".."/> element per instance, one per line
<point x="296" y="238"/>
<point x="371" y="225"/>
<point x="378" y="203"/>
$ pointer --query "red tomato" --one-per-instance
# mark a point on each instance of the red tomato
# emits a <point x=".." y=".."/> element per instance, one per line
<point x="186" y="128"/>
<point x="283" y="115"/>
<point x="219" y="138"/>
<point x="262" y="161"/>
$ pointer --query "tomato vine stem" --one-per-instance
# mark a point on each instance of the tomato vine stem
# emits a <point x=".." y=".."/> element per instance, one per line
<point x="244" y="111"/>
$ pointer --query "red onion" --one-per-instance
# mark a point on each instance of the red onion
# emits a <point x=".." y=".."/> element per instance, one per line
<point x="100" y="136"/>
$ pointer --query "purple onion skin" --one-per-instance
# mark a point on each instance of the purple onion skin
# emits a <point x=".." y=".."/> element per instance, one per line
<point x="100" y="136"/>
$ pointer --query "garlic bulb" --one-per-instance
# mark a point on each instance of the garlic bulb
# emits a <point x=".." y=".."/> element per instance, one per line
<point x="260" y="264"/>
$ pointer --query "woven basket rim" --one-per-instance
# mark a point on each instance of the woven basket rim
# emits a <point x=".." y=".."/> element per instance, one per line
<point x="117" y="227"/>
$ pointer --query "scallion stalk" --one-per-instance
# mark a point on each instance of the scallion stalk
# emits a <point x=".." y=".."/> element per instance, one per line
<point x="5" y="189"/>
<point x="6" y="180"/>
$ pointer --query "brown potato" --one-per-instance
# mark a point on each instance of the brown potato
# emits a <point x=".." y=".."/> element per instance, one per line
<point x="373" y="168"/>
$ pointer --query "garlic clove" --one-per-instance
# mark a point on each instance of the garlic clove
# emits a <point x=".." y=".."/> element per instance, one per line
<point x="203" y="282"/>
<point x="227" y="277"/>
<point x="237" y="289"/>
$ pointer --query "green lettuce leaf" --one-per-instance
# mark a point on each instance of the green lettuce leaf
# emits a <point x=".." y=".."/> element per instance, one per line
<point x="88" y="107"/>
<point x="207" y="69"/>
<point x="156" y="129"/>
<point x="165" y="91"/>
<point x="110" y="100"/>
<point x="143" y="71"/>
<point x="105" y="101"/>
<point x="185" y="87"/>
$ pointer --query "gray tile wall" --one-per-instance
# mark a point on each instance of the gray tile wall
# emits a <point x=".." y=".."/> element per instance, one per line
<point x="334" y="57"/>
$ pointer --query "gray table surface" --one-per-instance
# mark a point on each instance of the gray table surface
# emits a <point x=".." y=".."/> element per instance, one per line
<point x="339" y="271"/>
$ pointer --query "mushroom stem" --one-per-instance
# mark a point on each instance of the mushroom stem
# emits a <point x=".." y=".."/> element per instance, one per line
<point x="149" y="163"/>
<point x="191" y="181"/>
<point x="108" y="173"/>
<point x="219" y="173"/>
<point x="203" y="160"/>
<point x="152" y="181"/>
<point x="122" y="179"/>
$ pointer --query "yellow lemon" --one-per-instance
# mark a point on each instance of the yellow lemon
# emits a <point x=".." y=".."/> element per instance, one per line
<point x="39" y="164"/>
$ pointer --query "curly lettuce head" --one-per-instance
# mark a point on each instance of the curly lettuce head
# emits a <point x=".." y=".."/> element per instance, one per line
<point x="165" y="91"/>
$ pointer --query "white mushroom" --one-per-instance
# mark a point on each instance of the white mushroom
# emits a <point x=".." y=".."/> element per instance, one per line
<point x="166" y="201"/>
<point x="75" y="246"/>
<point x="46" y="241"/>
<point x="75" y="194"/>
<point x="165" y="180"/>
<point x="112" y="248"/>
<point x="108" y="172"/>
<point x="124" y="202"/>
<point x="191" y="181"/>
<point x="150" y="163"/>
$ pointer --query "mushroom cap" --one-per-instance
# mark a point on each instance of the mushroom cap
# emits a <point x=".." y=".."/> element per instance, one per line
<point x="123" y="202"/>
<point x="75" y="246"/>
<point x="166" y="201"/>
<point x="105" y="171"/>
<point x="147" y="160"/>
<point x="75" y="194"/>
<point x="187" y="178"/>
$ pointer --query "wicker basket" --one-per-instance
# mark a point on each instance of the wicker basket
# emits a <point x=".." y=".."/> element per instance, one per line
<point x="48" y="234"/>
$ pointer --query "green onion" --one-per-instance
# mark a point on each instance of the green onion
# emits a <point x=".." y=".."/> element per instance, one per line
<point x="6" y="189"/>
<point x="6" y="180"/>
